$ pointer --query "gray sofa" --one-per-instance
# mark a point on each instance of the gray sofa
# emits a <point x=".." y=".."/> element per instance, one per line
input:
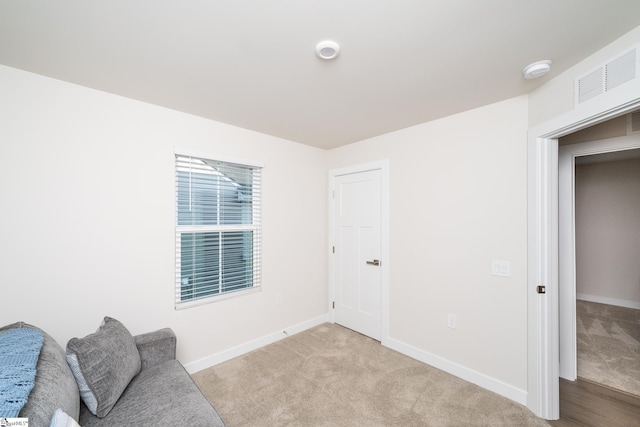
<point x="160" y="393"/>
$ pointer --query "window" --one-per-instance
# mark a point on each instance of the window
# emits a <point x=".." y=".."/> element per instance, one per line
<point x="217" y="228"/>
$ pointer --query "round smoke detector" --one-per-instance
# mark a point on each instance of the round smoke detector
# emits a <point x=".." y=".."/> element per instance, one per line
<point x="327" y="49"/>
<point x="536" y="69"/>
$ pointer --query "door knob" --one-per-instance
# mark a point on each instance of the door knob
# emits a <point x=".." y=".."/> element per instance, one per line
<point x="374" y="262"/>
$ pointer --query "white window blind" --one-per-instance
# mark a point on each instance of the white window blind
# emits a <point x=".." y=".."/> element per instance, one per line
<point x="217" y="228"/>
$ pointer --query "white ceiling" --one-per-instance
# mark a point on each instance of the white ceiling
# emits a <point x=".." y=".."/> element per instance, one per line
<point x="251" y="63"/>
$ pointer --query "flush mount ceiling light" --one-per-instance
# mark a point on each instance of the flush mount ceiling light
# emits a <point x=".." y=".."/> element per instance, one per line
<point x="327" y="49"/>
<point x="537" y="69"/>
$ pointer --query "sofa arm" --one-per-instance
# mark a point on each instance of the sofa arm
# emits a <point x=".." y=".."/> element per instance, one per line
<point x="156" y="347"/>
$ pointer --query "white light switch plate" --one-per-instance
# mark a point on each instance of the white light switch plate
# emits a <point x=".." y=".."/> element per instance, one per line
<point x="500" y="268"/>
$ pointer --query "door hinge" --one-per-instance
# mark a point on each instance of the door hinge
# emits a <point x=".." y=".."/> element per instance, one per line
<point x="334" y="249"/>
<point x="541" y="289"/>
<point x="334" y="305"/>
<point x="333" y="194"/>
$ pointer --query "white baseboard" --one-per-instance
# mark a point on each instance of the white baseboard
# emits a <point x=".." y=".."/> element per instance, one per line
<point x="610" y="301"/>
<point x="482" y="380"/>
<point x="223" y="356"/>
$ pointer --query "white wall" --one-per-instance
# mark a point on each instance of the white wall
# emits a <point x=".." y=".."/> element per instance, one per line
<point x="458" y="190"/>
<point x="86" y="218"/>
<point x="86" y="223"/>
<point x="607" y="200"/>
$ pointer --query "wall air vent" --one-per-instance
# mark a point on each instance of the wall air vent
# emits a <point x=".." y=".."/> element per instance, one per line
<point x="621" y="70"/>
<point x="633" y="122"/>
<point x="607" y="77"/>
<point x="590" y="86"/>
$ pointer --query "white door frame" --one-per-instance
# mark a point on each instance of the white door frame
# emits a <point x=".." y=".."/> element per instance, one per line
<point x="543" y="396"/>
<point x="567" y="244"/>
<point x="385" y="261"/>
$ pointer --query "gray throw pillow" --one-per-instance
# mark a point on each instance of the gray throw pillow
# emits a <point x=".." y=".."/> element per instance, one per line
<point x="103" y="364"/>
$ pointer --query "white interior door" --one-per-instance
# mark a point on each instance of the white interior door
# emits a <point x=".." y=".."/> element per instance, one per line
<point x="357" y="256"/>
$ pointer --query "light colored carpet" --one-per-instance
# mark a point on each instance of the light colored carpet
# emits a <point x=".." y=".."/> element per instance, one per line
<point x="609" y="345"/>
<point x="332" y="376"/>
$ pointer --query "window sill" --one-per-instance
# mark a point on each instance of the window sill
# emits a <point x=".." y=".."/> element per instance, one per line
<point x="217" y="298"/>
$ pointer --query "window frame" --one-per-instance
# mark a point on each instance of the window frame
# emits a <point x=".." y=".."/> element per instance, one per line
<point x="255" y="227"/>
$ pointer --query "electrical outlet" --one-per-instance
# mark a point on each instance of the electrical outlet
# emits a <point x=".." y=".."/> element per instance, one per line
<point x="452" y="321"/>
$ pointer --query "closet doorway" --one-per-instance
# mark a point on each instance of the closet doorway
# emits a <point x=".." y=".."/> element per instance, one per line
<point x="599" y="244"/>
